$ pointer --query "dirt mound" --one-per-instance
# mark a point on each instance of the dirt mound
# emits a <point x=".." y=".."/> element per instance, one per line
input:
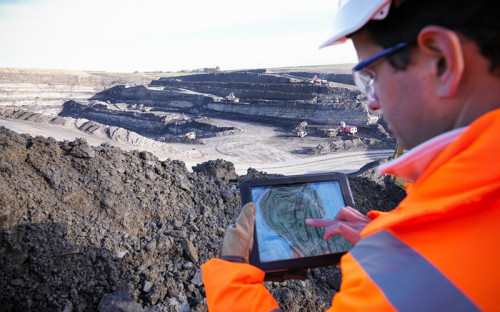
<point x="96" y="228"/>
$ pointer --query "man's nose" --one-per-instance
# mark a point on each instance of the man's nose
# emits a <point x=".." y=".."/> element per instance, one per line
<point x="373" y="103"/>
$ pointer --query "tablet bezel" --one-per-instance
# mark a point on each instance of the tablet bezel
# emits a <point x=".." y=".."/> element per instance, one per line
<point x="300" y="263"/>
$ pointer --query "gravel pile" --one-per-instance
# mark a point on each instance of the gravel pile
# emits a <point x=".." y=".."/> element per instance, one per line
<point x="96" y="228"/>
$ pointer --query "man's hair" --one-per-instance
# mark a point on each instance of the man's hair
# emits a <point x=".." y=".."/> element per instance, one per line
<point x="476" y="19"/>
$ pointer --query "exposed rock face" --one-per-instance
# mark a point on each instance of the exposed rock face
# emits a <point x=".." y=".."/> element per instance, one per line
<point x="51" y="90"/>
<point x="133" y="119"/>
<point x="96" y="228"/>
<point x="159" y="125"/>
<point x="263" y="97"/>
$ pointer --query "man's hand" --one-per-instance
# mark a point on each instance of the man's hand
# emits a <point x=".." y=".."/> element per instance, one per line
<point x="348" y="222"/>
<point x="238" y="240"/>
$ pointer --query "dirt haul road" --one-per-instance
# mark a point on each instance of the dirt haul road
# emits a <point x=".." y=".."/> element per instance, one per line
<point x="261" y="147"/>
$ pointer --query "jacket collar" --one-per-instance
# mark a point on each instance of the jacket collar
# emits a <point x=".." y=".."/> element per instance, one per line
<point x="412" y="163"/>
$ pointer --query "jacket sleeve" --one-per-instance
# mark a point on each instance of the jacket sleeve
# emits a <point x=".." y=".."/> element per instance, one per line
<point x="235" y="287"/>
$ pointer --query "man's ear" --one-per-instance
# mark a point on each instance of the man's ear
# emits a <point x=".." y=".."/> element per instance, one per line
<point x="443" y="49"/>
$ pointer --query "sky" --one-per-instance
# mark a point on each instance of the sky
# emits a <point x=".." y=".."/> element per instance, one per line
<point x="164" y="35"/>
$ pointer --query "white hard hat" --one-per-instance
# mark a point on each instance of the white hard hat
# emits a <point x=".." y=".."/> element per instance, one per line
<point x="352" y="15"/>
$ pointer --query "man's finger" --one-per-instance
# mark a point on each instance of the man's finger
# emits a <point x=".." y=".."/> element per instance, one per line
<point x="350" y="214"/>
<point x="347" y="232"/>
<point x="332" y="227"/>
<point x="319" y="222"/>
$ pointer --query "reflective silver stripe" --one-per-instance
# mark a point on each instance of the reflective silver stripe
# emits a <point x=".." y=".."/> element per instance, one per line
<point x="408" y="280"/>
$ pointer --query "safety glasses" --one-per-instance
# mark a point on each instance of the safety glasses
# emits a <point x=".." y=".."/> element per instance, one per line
<point x="364" y="77"/>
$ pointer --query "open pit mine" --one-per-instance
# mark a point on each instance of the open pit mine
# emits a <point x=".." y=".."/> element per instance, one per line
<point x="114" y="190"/>
<point x="209" y="116"/>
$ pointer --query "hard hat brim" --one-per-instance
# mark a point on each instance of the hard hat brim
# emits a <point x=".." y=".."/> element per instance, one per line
<point x="353" y="15"/>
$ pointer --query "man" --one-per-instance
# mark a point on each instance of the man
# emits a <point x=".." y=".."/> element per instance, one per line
<point x="432" y="67"/>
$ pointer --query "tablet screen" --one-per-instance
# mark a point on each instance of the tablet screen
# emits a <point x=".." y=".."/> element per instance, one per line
<point x="282" y="240"/>
<point x="281" y="211"/>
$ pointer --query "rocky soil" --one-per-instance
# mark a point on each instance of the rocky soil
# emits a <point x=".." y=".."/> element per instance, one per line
<point x="97" y="228"/>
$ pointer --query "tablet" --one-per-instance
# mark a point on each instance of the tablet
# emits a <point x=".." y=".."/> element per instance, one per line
<point x="282" y="240"/>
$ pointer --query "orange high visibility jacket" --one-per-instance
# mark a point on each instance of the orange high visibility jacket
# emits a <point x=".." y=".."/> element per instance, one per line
<point x="439" y="250"/>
